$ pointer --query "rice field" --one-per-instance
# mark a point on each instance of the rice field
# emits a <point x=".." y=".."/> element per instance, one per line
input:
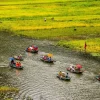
<point x="70" y="22"/>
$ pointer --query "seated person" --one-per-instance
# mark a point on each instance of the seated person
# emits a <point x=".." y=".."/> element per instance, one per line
<point x="30" y="49"/>
<point x="77" y="69"/>
<point x="35" y="48"/>
<point x="63" y="74"/>
<point x="67" y="75"/>
<point x="12" y="61"/>
<point x="45" y="57"/>
<point x="73" y="68"/>
<point x="49" y="58"/>
<point x="20" y="56"/>
<point x="60" y="73"/>
<point x="18" y="64"/>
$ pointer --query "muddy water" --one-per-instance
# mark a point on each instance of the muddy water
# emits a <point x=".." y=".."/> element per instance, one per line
<point x="38" y="79"/>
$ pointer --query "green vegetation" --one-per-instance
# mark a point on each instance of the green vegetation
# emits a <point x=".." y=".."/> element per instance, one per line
<point x="71" y="22"/>
<point x="6" y="88"/>
<point x="6" y="92"/>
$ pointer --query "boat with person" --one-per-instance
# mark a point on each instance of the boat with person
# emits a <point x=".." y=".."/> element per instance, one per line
<point x="47" y="58"/>
<point x="32" y="49"/>
<point x="20" y="58"/>
<point x="75" y="69"/>
<point x="98" y="77"/>
<point x="63" y="76"/>
<point x="15" y="65"/>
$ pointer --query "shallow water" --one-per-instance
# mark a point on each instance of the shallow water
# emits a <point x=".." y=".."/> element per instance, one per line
<point x="38" y="79"/>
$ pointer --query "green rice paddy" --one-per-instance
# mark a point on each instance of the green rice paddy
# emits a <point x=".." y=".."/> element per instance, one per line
<point x="70" y="22"/>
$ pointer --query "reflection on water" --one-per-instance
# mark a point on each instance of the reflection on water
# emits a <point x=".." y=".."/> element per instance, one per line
<point x="38" y="80"/>
<point x="17" y="72"/>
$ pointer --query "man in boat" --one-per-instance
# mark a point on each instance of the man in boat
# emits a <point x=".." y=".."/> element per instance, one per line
<point x="12" y="60"/>
<point x="60" y="73"/>
<point x="67" y="75"/>
<point x="72" y="68"/>
<point x="49" y="58"/>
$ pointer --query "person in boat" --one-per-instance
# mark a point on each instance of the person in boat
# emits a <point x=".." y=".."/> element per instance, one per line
<point x="60" y="73"/>
<point x="29" y="48"/>
<point x="35" y="48"/>
<point x="49" y="58"/>
<point x="32" y="46"/>
<point x="63" y="74"/>
<point x="67" y="75"/>
<point x="77" y="68"/>
<point x="18" y="64"/>
<point x="72" y="68"/>
<point x="20" y="56"/>
<point x="12" y="60"/>
<point x="45" y="57"/>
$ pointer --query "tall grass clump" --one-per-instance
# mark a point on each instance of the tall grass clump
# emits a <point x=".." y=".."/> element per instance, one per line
<point x="7" y="92"/>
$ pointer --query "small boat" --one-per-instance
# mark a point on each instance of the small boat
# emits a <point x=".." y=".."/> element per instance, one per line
<point x="14" y="66"/>
<point x="98" y="77"/>
<point x="64" y="78"/>
<point x="48" y="61"/>
<point x="74" y="71"/>
<point x="32" y="51"/>
<point x="18" y="58"/>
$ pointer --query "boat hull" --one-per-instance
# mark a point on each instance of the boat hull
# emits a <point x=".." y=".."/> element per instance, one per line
<point x="64" y="78"/>
<point x="76" y="72"/>
<point x="20" y="59"/>
<point x="51" y="61"/>
<point x="33" y="51"/>
<point x="14" y="66"/>
<point x="98" y="78"/>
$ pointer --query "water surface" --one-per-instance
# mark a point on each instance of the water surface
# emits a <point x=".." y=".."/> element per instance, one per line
<point x="38" y="79"/>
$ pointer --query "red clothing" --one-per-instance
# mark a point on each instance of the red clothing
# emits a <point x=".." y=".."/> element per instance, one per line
<point x="44" y="57"/>
<point x="18" y="64"/>
<point x="85" y="45"/>
<point x="35" y="48"/>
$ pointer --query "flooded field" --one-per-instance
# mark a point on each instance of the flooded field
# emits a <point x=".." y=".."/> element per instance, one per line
<point x="38" y="80"/>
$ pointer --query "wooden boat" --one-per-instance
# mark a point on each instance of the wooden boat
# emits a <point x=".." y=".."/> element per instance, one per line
<point x="98" y="77"/>
<point x="32" y="51"/>
<point x="48" y="61"/>
<point x="18" y="58"/>
<point x="64" y="78"/>
<point x="75" y="71"/>
<point x="14" y="66"/>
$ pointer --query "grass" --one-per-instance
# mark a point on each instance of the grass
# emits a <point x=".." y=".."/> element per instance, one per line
<point x="6" y="92"/>
<point x="6" y="89"/>
<point x="71" y="22"/>
<point x="92" y="45"/>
